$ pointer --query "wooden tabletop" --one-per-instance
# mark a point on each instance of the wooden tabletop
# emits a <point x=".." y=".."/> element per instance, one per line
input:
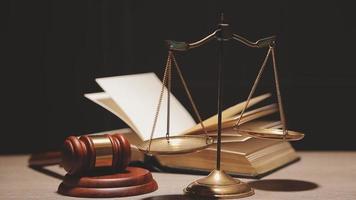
<point x="318" y="175"/>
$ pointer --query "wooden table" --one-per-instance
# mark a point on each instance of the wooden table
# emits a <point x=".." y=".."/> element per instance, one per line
<point x="319" y="175"/>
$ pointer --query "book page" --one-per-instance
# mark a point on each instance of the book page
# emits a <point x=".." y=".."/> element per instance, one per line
<point x="137" y="96"/>
<point x="235" y="109"/>
<point x="227" y="113"/>
<point x="248" y="116"/>
<point x="104" y="100"/>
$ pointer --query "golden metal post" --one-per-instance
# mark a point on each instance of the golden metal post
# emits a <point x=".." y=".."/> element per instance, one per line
<point x="219" y="184"/>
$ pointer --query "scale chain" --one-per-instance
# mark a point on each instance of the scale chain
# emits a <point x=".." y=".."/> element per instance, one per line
<point x="253" y="88"/>
<point x="189" y="95"/>
<point x="167" y="81"/>
<point x="169" y="88"/>
<point x="168" y="63"/>
<point x="279" y="97"/>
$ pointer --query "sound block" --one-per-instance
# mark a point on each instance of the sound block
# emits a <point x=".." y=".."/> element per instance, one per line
<point x="132" y="181"/>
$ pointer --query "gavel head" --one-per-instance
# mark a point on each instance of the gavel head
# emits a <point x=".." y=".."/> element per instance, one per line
<point x="91" y="152"/>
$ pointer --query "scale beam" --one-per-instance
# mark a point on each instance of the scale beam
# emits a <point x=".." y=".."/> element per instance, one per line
<point x="185" y="46"/>
<point x="261" y="43"/>
<point x="222" y="32"/>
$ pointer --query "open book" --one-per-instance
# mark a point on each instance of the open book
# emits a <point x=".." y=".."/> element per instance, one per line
<point x="134" y="99"/>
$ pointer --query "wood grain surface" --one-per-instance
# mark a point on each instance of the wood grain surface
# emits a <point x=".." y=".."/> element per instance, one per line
<point x="318" y="175"/>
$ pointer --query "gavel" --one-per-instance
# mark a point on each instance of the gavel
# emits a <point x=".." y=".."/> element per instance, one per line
<point x="89" y="153"/>
<point x="97" y="167"/>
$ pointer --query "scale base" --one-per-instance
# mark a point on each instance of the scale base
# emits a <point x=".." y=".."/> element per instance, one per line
<point x="219" y="185"/>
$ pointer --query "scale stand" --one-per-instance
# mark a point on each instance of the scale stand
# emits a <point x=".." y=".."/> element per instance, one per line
<point x="217" y="184"/>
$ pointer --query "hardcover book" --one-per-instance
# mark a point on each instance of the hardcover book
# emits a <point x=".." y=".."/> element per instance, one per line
<point x="134" y="98"/>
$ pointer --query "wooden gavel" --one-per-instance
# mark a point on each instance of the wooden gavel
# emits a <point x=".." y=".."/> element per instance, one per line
<point x="89" y="153"/>
<point x="97" y="167"/>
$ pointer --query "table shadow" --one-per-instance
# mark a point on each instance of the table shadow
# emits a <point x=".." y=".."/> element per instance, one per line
<point x="283" y="185"/>
<point x="173" y="197"/>
<point x="48" y="172"/>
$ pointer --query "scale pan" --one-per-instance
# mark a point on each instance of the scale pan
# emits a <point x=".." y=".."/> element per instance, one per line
<point x="272" y="134"/>
<point x="176" y="145"/>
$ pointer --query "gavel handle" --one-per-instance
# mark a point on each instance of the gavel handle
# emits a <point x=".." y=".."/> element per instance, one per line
<point x="44" y="159"/>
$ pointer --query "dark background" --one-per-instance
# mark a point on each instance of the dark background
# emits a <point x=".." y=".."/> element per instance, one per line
<point x="53" y="50"/>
